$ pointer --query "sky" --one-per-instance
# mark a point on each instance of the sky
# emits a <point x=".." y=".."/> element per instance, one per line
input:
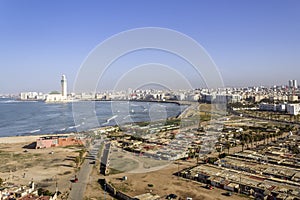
<point x="252" y="42"/>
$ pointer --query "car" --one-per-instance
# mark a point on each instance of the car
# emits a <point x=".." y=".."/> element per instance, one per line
<point x="75" y="179"/>
<point x="209" y="187"/>
<point x="171" y="196"/>
<point x="228" y="194"/>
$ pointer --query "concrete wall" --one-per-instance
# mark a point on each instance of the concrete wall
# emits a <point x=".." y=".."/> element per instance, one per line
<point x="117" y="194"/>
<point x="47" y="143"/>
<point x="69" y="141"/>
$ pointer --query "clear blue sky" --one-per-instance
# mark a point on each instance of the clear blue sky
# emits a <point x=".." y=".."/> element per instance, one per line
<point x="253" y="42"/>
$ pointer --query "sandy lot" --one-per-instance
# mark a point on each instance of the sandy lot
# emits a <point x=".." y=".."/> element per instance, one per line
<point x="163" y="181"/>
<point x="20" y="165"/>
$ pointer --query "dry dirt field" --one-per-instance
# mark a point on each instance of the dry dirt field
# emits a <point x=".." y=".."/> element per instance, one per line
<point x="20" y="165"/>
<point x="163" y="181"/>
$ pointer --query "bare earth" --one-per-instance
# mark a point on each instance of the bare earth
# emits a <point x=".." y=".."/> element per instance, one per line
<point x="163" y="181"/>
<point x="20" y="165"/>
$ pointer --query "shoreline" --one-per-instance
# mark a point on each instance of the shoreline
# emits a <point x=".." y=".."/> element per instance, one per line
<point x="27" y="137"/>
<point x="108" y="100"/>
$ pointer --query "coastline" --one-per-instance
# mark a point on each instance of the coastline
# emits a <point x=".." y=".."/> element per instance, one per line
<point x="26" y="138"/>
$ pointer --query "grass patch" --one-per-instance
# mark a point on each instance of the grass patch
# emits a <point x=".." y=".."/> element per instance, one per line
<point x="123" y="187"/>
<point x="67" y="173"/>
<point x="114" y="171"/>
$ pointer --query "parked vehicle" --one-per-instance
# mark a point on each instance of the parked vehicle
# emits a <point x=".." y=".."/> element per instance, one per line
<point x="228" y="194"/>
<point x="75" y="179"/>
<point x="209" y="187"/>
<point x="171" y="196"/>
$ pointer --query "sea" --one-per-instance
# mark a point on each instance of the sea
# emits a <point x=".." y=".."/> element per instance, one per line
<point x="38" y="117"/>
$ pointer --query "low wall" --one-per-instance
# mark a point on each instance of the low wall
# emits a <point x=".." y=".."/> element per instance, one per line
<point x="113" y="191"/>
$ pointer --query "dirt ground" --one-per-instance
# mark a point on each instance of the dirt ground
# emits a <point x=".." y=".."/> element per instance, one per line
<point x="163" y="183"/>
<point x="44" y="166"/>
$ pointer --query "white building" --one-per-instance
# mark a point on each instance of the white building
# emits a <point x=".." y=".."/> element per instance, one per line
<point x="57" y="97"/>
<point x="293" y="109"/>
<point x="28" y="95"/>
<point x="272" y="107"/>
<point x="293" y="84"/>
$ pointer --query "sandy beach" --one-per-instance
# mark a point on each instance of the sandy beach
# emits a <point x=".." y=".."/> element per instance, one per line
<point x="24" y="139"/>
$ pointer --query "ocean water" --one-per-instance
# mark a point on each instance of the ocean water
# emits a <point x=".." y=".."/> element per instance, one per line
<point x="35" y="117"/>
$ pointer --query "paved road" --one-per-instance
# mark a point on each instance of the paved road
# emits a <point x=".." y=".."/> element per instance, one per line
<point x="78" y="189"/>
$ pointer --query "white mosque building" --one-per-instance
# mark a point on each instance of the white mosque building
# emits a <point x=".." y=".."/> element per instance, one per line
<point x="59" y="97"/>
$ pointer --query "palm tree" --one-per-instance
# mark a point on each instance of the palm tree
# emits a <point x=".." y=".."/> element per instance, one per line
<point x="264" y="137"/>
<point x="246" y="139"/>
<point x="243" y="144"/>
<point x="77" y="161"/>
<point x="255" y="138"/>
<point x="234" y="135"/>
<point x="228" y="146"/>
<point x="198" y="152"/>
<point x="251" y="140"/>
<point x="268" y="137"/>
<point x="226" y="137"/>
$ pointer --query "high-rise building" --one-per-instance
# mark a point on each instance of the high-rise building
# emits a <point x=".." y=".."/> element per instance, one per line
<point x="64" y="86"/>
<point x="293" y="84"/>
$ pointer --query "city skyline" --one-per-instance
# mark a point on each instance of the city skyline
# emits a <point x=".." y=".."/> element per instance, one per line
<point x="252" y="43"/>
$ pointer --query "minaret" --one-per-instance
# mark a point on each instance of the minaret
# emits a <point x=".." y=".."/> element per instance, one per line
<point x="64" y="86"/>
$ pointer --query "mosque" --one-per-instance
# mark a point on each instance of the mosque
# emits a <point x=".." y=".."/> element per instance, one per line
<point x="59" y="97"/>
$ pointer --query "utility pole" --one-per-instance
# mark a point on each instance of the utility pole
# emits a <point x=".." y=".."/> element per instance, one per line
<point x="104" y="190"/>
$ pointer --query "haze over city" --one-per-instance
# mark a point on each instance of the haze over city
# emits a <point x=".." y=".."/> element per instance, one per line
<point x="149" y="100"/>
<point x="251" y="42"/>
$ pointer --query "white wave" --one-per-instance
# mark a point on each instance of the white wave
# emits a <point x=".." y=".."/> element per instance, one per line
<point x="122" y="103"/>
<point x="107" y="121"/>
<point x="71" y="127"/>
<point x="126" y="117"/>
<point x="34" y="131"/>
<point x="11" y="101"/>
<point x="113" y="117"/>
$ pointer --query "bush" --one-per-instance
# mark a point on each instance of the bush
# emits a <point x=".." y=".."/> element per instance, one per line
<point x="44" y="192"/>
<point x="212" y="160"/>
<point x="222" y="155"/>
